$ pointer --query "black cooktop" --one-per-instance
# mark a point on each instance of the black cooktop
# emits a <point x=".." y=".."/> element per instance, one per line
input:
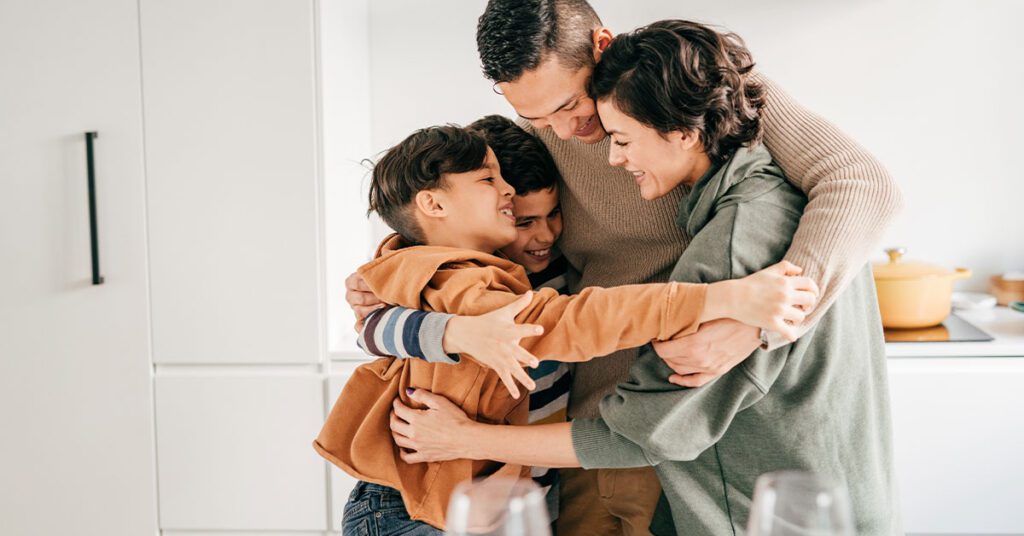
<point x="953" y="329"/>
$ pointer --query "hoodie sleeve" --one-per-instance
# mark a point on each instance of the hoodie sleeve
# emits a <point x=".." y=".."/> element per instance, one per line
<point x="577" y="327"/>
<point x="599" y="321"/>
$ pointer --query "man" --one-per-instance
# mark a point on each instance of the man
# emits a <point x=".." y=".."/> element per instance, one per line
<point x="540" y="54"/>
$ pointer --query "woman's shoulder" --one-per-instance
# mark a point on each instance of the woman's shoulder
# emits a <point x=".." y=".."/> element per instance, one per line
<point x="759" y="179"/>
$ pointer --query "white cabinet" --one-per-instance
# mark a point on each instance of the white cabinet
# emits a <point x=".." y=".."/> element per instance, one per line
<point x="235" y="452"/>
<point x="959" y="442"/>
<point x="231" y="160"/>
<point x="75" y="396"/>
<point x="209" y="175"/>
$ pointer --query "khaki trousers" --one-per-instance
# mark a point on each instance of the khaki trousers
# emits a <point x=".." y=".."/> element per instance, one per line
<point x="599" y="502"/>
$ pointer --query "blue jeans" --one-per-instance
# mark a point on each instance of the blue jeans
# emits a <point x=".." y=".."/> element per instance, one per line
<point x="374" y="510"/>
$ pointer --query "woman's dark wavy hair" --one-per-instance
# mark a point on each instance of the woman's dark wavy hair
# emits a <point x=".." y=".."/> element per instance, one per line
<point x="420" y="162"/>
<point x="677" y="75"/>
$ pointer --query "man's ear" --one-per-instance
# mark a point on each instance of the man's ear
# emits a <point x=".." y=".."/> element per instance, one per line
<point x="601" y="37"/>
<point x="430" y="203"/>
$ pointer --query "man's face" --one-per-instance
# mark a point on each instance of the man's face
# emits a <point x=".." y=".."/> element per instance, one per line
<point x="556" y="97"/>
<point x="539" y="224"/>
<point x="478" y="208"/>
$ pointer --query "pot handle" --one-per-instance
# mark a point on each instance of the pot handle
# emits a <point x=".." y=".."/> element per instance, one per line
<point x="895" y="254"/>
<point x="962" y="273"/>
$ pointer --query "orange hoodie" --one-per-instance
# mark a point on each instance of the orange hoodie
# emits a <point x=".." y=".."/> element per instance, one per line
<point x="357" y="437"/>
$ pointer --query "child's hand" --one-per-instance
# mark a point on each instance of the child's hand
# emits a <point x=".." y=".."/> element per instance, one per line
<point x="492" y="339"/>
<point x="775" y="298"/>
<point x="360" y="298"/>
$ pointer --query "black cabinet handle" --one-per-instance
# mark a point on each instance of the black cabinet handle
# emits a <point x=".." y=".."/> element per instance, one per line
<point x="97" y="279"/>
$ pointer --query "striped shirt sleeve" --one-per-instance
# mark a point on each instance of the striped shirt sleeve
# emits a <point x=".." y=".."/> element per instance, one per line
<point x="406" y="333"/>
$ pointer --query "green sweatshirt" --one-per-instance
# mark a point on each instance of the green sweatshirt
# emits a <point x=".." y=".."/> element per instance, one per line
<point x="820" y="404"/>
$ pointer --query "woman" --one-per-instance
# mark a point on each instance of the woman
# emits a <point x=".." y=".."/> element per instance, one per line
<point x="683" y="112"/>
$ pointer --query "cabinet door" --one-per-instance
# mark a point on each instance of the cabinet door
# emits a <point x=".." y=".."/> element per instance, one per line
<point x="75" y="395"/>
<point x="236" y="452"/>
<point x="958" y="441"/>
<point x="231" y="156"/>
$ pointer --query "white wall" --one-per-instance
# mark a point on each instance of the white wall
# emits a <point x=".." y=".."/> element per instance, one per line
<point x="345" y="127"/>
<point x="931" y="88"/>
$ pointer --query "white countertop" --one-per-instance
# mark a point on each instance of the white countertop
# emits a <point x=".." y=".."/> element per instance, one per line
<point x="1006" y="325"/>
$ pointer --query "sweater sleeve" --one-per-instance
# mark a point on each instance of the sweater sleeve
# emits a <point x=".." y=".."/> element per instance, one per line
<point x="647" y="419"/>
<point x="406" y="333"/>
<point x="852" y="198"/>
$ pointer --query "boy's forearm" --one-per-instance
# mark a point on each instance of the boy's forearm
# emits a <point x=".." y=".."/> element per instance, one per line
<point x="542" y="445"/>
<point x="720" y="301"/>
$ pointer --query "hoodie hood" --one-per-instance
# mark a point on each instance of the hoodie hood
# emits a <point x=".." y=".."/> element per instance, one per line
<point x="399" y="273"/>
<point x="728" y="184"/>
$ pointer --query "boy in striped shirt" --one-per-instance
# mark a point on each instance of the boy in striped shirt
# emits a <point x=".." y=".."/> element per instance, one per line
<point x="407" y="333"/>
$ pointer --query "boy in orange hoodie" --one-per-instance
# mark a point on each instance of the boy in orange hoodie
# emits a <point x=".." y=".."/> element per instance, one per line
<point x="441" y="189"/>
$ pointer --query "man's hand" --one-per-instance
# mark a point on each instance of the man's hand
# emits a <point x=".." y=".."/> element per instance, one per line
<point x="493" y="338"/>
<point x="360" y="298"/>
<point x="713" y="350"/>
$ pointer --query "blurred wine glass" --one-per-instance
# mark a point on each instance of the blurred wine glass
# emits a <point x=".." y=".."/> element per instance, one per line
<point x="498" y="507"/>
<point x="797" y="503"/>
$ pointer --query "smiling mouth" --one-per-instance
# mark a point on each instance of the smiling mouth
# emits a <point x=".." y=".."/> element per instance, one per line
<point x="588" y="127"/>
<point x="507" y="212"/>
<point x="539" y="254"/>
<point x="638" y="176"/>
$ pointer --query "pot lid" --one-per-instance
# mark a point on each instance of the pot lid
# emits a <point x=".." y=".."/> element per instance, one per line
<point x="897" y="268"/>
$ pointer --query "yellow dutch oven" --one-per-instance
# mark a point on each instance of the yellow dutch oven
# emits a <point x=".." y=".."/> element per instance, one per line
<point x="914" y="294"/>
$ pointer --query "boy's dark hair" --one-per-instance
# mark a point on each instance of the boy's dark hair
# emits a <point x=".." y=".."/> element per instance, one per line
<point x="420" y="162"/>
<point x="525" y="162"/>
<point x="514" y="36"/>
<point x="680" y="75"/>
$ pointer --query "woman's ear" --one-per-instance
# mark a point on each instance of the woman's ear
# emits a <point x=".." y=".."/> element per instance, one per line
<point x="430" y="203"/>
<point x="602" y="37"/>
<point x="689" y="140"/>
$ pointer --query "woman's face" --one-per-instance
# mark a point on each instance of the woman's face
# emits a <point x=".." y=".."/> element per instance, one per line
<point x="658" y="162"/>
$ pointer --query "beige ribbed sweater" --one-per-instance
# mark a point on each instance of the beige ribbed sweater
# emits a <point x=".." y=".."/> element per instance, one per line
<point x="613" y="237"/>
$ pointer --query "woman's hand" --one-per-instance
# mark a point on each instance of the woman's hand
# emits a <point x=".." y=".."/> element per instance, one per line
<point x="775" y="299"/>
<point x="435" y="434"/>
<point x="360" y="298"/>
<point x="492" y="339"/>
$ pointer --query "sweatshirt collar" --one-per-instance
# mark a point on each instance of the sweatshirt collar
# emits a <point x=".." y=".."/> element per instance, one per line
<point x="715" y="189"/>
